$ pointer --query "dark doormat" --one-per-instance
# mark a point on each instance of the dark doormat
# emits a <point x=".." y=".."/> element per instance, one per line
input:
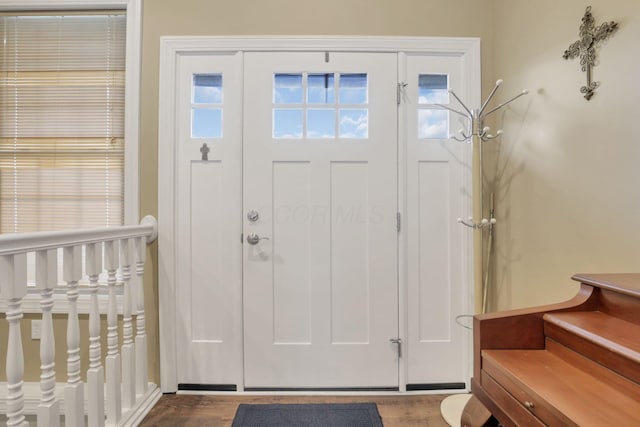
<point x="308" y="415"/>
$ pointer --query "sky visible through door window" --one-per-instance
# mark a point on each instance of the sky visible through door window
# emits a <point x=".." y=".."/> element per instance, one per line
<point x="433" y="121"/>
<point x="320" y="106"/>
<point x="206" y="106"/>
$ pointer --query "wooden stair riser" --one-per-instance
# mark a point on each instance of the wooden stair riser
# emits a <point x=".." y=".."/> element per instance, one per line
<point x="628" y="387"/>
<point x="619" y="305"/>
<point x="624" y="363"/>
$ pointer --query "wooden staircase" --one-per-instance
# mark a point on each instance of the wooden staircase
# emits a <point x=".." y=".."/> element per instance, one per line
<point x="570" y="364"/>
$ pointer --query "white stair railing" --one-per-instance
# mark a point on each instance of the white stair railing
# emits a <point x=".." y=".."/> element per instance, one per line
<point x="116" y="394"/>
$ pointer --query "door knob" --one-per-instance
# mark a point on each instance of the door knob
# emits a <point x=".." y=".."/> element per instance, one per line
<point x="253" y="238"/>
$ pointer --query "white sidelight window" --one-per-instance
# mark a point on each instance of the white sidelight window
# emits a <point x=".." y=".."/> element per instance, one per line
<point x="433" y="121"/>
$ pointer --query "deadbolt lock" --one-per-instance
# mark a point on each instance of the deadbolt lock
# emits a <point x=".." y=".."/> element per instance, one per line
<point x="253" y="216"/>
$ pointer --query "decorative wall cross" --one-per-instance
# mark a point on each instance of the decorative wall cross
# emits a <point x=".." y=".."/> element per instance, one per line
<point x="585" y="47"/>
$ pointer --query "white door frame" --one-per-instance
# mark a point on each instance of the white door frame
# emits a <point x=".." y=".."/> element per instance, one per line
<point x="171" y="48"/>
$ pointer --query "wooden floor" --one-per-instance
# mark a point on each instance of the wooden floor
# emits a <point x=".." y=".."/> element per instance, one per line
<point x="218" y="411"/>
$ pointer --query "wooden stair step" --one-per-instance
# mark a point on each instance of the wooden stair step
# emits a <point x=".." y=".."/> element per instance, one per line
<point x="562" y="392"/>
<point x="611" y="341"/>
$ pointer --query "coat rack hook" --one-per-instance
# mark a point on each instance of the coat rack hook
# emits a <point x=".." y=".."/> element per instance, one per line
<point x="476" y="117"/>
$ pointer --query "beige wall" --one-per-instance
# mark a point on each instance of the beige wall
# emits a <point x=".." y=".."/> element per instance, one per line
<point x="567" y="193"/>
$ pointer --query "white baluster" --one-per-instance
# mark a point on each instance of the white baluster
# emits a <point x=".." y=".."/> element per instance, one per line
<point x="74" y="390"/>
<point x="13" y="282"/>
<point x="128" y="350"/>
<point x="48" y="411"/>
<point x="114" y="402"/>
<point x="142" y="379"/>
<point x="95" y="374"/>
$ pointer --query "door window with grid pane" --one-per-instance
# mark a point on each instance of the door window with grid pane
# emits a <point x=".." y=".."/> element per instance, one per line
<point x="62" y="97"/>
<point x="320" y="114"/>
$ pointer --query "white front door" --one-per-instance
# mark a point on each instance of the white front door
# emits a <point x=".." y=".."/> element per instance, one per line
<point x="320" y="194"/>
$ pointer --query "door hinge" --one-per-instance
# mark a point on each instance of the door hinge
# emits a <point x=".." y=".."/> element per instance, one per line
<point x="241" y="237"/>
<point x="397" y="341"/>
<point x="398" y="222"/>
<point x="400" y="88"/>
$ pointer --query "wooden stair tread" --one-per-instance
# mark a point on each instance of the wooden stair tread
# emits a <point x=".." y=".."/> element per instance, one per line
<point x="613" y="334"/>
<point x="566" y="392"/>
<point x="624" y="283"/>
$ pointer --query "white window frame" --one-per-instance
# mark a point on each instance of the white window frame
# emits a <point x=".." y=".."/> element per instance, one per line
<point x="31" y="303"/>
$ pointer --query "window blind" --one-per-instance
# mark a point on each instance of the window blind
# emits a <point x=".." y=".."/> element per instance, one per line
<point x="62" y="91"/>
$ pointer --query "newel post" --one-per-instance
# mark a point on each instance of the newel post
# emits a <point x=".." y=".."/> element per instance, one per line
<point x="128" y="349"/>
<point x="142" y="379"/>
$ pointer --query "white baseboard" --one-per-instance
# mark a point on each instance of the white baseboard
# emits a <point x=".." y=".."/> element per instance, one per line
<point x="145" y="403"/>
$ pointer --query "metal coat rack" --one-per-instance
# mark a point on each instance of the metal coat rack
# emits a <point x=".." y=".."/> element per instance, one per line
<point x="476" y="134"/>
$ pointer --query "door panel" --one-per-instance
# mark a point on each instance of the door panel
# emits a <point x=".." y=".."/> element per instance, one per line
<point x="438" y="290"/>
<point x="320" y="296"/>
<point x="209" y="271"/>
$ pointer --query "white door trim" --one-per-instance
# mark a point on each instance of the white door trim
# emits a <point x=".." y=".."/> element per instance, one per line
<point x="171" y="48"/>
